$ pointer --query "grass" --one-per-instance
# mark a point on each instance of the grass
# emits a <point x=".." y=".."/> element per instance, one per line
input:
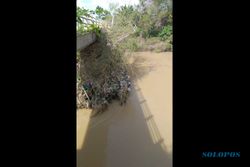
<point x="154" y="44"/>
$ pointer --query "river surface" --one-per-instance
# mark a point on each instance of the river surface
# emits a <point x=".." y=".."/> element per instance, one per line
<point x="138" y="134"/>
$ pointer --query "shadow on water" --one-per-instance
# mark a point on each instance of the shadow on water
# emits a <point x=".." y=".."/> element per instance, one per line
<point x="124" y="136"/>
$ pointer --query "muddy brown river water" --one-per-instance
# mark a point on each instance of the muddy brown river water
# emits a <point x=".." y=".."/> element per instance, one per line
<point x="138" y="134"/>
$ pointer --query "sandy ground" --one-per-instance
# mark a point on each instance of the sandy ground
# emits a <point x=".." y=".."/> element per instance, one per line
<point x="138" y="134"/>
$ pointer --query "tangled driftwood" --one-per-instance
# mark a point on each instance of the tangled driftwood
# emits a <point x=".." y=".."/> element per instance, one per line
<point x="102" y="77"/>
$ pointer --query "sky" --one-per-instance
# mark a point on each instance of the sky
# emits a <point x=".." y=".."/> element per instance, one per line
<point x="91" y="4"/>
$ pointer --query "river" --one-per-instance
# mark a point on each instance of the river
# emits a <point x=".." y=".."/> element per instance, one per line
<point x="138" y="134"/>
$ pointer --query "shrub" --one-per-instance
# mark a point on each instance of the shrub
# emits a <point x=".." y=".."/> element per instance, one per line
<point x="133" y="46"/>
<point x="152" y="32"/>
<point x="129" y="44"/>
<point x="94" y="28"/>
<point x="166" y="33"/>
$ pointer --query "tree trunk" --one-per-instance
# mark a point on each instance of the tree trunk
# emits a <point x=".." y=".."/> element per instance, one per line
<point x="112" y="23"/>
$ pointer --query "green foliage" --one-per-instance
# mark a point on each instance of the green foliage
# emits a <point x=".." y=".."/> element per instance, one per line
<point x="84" y="28"/>
<point x="148" y="32"/>
<point x="125" y="15"/>
<point x="138" y="32"/>
<point x="129" y="44"/>
<point x="81" y="29"/>
<point x="132" y="45"/>
<point x="152" y="32"/>
<point x="166" y="32"/>
<point x="95" y="28"/>
<point x="150" y="19"/>
<point x="80" y="12"/>
<point x="101" y="13"/>
<point x="153" y="16"/>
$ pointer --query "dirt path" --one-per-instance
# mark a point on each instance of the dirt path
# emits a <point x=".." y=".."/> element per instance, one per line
<point x="138" y="134"/>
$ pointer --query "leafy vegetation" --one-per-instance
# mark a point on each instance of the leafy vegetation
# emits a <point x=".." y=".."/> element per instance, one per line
<point x="166" y="33"/>
<point x="88" y="15"/>
<point x="149" y="19"/>
<point x="101" y="13"/>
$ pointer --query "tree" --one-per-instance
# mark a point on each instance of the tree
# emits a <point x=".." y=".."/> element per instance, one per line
<point x="87" y="26"/>
<point x="80" y="12"/>
<point x="126" y="15"/>
<point x="113" y="10"/>
<point x="101" y="13"/>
